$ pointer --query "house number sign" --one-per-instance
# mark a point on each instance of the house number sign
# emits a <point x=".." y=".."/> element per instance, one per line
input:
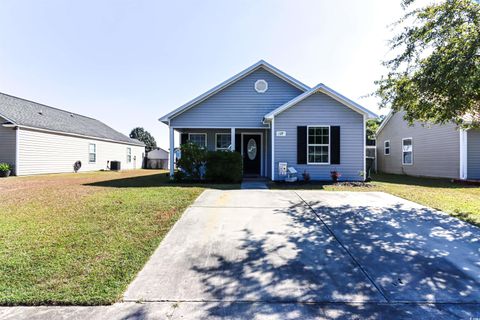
<point x="281" y="133"/>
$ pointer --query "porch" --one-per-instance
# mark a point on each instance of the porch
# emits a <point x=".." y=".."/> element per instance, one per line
<point x="253" y="143"/>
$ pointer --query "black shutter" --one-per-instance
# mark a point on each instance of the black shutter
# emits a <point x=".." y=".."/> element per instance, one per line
<point x="238" y="142"/>
<point x="335" y="145"/>
<point x="301" y="145"/>
<point x="183" y="138"/>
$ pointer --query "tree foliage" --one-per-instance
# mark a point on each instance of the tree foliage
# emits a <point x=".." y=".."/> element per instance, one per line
<point x="435" y="75"/>
<point x="372" y="126"/>
<point x="143" y="135"/>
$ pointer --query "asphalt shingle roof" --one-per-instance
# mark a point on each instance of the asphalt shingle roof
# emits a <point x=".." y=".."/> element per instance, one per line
<point x="31" y="114"/>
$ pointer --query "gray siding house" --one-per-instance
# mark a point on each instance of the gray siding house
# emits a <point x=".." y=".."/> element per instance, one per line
<point x="428" y="150"/>
<point x="38" y="139"/>
<point x="276" y="122"/>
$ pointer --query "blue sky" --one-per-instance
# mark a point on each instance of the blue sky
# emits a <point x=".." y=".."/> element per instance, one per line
<point x="129" y="62"/>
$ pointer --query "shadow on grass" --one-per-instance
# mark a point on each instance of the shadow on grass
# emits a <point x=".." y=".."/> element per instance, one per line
<point x="158" y="180"/>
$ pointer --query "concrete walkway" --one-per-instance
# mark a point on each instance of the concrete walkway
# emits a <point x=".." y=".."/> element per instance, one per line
<point x="264" y="254"/>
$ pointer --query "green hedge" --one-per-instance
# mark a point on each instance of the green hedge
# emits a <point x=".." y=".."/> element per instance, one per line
<point x="224" y="166"/>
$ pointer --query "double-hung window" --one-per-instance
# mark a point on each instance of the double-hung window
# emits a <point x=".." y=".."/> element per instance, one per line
<point x="129" y="155"/>
<point x="318" y="145"/>
<point x="92" y="153"/>
<point x="386" y="147"/>
<point x="407" y="151"/>
<point x="199" y="139"/>
<point x="223" y="141"/>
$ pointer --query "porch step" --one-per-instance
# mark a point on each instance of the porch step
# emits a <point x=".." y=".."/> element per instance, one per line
<point x="251" y="183"/>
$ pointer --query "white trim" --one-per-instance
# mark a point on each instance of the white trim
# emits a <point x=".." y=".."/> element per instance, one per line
<point x="261" y="148"/>
<point x="222" y="133"/>
<point x="129" y="155"/>
<point x="205" y="134"/>
<point x="17" y="151"/>
<point x="8" y="119"/>
<point x="260" y="81"/>
<point x="89" y="153"/>
<point x="232" y="138"/>
<point x="228" y="82"/>
<point x="463" y="154"/>
<point x="364" y="143"/>
<point x="216" y="127"/>
<point x="384" y="122"/>
<point x="407" y="164"/>
<point x="320" y="145"/>
<point x="273" y="148"/>
<point x="171" y="152"/>
<point x="329" y="92"/>
<point x="79" y="135"/>
<point x="385" y="148"/>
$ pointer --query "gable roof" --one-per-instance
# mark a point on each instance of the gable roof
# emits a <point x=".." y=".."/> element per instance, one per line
<point x="28" y="114"/>
<point x="260" y="64"/>
<point x="329" y="92"/>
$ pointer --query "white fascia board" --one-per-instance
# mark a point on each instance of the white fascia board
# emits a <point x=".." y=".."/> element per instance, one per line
<point x="329" y="92"/>
<point x="235" y="78"/>
<point x="6" y="118"/>
<point x="384" y="122"/>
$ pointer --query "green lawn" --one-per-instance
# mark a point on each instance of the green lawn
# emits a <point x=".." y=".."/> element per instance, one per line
<point x="459" y="200"/>
<point x="81" y="239"/>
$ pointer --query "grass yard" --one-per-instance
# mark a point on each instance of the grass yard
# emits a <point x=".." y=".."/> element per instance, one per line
<point x="82" y="238"/>
<point x="459" y="200"/>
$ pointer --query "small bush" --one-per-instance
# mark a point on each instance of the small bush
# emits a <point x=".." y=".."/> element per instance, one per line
<point x="224" y="166"/>
<point x="5" y="167"/>
<point x="191" y="162"/>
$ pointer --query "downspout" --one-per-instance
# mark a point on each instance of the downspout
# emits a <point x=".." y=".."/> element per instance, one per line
<point x="463" y="154"/>
<point x="273" y="148"/>
<point x="17" y="163"/>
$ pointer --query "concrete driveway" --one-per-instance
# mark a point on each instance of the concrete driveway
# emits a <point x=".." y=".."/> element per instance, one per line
<point x="307" y="254"/>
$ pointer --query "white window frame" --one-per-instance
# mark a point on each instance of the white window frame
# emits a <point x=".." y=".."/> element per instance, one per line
<point x="216" y="139"/>
<point x="129" y="155"/>
<point x="94" y="153"/>
<point x="320" y="145"/>
<point x="259" y="81"/>
<point x="199" y="133"/>
<point x="403" y="163"/>
<point x="385" y="148"/>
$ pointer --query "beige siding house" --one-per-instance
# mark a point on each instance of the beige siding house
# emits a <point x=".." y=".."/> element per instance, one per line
<point x="427" y="150"/>
<point x="38" y="139"/>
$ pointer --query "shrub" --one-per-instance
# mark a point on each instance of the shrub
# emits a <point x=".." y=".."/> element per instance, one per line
<point x="192" y="160"/>
<point x="224" y="166"/>
<point x="306" y="176"/>
<point x="5" y="167"/>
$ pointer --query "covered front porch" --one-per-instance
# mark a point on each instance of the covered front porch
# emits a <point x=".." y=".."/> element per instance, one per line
<point x="253" y="143"/>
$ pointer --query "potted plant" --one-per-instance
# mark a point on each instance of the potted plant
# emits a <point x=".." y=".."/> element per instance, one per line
<point x="335" y="175"/>
<point x="5" y="170"/>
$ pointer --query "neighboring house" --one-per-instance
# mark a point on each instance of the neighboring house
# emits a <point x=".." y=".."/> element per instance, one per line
<point x="427" y="149"/>
<point x="157" y="159"/>
<point x="275" y="122"/>
<point x="37" y="139"/>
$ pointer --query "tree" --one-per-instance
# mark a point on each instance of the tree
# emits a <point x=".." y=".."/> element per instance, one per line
<point x="372" y="126"/>
<point x="435" y="75"/>
<point x="142" y="135"/>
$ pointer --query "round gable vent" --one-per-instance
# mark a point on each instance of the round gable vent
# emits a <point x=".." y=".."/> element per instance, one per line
<point x="261" y="86"/>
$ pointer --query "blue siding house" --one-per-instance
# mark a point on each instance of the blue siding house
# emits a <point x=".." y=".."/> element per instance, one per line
<point x="276" y="122"/>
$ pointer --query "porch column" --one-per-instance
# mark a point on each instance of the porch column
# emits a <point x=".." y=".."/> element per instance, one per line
<point x="172" y="151"/>
<point x="463" y="154"/>
<point x="232" y="138"/>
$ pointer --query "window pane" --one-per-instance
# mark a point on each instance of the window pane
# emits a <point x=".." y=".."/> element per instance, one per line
<point x="223" y="141"/>
<point x="198" y="139"/>
<point x="407" y="157"/>
<point x="92" y="157"/>
<point x="318" y="135"/>
<point x="318" y="154"/>
<point x="92" y="148"/>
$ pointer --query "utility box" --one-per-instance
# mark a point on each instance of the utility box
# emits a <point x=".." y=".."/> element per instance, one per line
<point x="115" y="165"/>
